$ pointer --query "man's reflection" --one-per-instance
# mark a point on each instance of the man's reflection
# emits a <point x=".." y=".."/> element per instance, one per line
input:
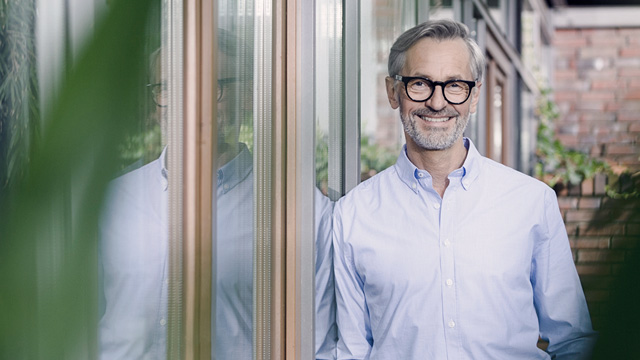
<point x="134" y="235"/>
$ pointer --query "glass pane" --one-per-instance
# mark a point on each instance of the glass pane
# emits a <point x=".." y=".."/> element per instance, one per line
<point x="498" y="11"/>
<point x="381" y="134"/>
<point x="441" y="9"/>
<point x="136" y="246"/>
<point x="233" y="250"/>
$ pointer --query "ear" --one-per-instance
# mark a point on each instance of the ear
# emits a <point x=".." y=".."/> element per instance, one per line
<point x="475" y="96"/>
<point x="392" y="95"/>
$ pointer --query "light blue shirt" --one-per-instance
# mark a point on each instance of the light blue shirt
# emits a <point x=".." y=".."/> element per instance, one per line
<point x="477" y="274"/>
<point x="134" y="265"/>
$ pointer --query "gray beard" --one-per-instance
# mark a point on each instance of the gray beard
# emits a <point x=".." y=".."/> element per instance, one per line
<point x="435" y="138"/>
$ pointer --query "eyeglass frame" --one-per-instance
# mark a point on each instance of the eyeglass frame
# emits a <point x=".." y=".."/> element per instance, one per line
<point x="442" y="84"/>
<point x="221" y="84"/>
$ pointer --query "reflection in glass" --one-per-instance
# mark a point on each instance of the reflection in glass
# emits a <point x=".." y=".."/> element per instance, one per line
<point x="133" y="245"/>
<point x="233" y="253"/>
<point x="381" y="134"/>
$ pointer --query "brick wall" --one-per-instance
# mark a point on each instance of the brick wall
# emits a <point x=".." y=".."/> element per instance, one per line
<point x="597" y="89"/>
<point x="603" y="233"/>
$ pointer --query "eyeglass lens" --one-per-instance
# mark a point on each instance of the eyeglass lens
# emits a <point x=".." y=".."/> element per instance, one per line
<point x="455" y="92"/>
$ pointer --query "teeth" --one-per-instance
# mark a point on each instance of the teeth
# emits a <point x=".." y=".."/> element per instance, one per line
<point x="440" y="119"/>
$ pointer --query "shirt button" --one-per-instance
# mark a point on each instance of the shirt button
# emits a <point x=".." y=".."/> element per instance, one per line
<point x="163" y="322"/>
<point x="436" y="205"/>
<point x="420" y="175"/>
<point x="449" y="282"/>
<point x="225" y="186"/>
<point x="413" y="185"/>
<point x="447" y="243"/>
<point x="452" y="324"/>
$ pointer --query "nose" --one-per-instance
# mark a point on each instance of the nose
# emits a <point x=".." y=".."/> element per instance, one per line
<point x="437" y="101"/>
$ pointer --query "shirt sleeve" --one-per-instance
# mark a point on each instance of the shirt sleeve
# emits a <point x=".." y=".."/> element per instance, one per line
<point x="558" y="297"/>
<point x="354" y="330"/>
<point x="326" y="332"/>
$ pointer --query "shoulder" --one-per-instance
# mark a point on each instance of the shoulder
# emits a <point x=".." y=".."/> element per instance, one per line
<point x="370" y="189"/>
<point x="508" y="178"/>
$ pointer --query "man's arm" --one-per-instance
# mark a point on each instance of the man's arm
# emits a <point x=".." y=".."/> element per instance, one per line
<point x="354" y="330"/>
<point x="326" y="331"/>
<point x="558" y="297"/>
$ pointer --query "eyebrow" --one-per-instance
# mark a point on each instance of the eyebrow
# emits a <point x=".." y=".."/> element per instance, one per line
<point x="453" y="77"/>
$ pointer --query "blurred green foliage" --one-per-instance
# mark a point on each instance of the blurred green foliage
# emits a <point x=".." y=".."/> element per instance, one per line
<point x="556" y="163"/>
<point x="48" y="219"/>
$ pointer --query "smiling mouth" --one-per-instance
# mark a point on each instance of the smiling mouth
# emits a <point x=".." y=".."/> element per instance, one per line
<point x="434" y="119"/>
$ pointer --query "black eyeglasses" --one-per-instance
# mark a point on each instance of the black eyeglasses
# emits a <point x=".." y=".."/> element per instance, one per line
<point x="421" y="89"/>
<point x="222" y="83"/>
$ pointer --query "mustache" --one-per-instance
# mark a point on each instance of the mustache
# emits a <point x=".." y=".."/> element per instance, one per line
<point x="431" y="113"/>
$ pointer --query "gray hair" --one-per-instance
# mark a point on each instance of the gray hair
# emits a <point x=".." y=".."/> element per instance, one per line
<point x="439" y="30"/>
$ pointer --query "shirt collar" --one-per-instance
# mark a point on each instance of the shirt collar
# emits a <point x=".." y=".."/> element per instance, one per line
<point x="164" y="180"/>
<point x="410" y="174"/>
<point x="236" y="170"/>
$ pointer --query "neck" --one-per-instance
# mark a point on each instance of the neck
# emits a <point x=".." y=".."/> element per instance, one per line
<point x="226" y="152"/>
<point x="439" y="163"/>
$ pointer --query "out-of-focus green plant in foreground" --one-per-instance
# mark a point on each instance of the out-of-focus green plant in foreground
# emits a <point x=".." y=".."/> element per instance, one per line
<point x="48" y="220"/>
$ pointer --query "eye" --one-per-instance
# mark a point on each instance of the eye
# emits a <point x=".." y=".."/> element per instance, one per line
<point x="419" y="83"/>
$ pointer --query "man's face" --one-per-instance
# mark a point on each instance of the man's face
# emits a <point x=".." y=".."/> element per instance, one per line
<point x="229" y="105"/>
<point x="434" y="124"/>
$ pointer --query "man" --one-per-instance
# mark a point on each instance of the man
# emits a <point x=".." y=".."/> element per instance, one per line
<point x="134" y="237"/>
<point x="447" y="254"/>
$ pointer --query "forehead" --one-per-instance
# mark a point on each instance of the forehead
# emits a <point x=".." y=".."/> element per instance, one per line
<point x="438" y="60"/>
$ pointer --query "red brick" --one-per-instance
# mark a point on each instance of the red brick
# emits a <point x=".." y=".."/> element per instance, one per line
<point x="580" y="215"/>
<point x="628" y="71"/>
<point x="624" y="242"/>
<point x="600" y="40"/>
<point x="632" y="95"/>
<point x="630" y="52"/>
<point x="612" y="106"/>
<point x="621" y="149"/>
<point x="565" y="96"/>
<point x="591" y="106"/>
<point x="601" y="32"/>
<point x="630" y="106"/>
<point x="605" y="84"/>
<point x="600" y="95"/>
<point x="594" y="269"/>
<point x="601" y="256"/>
<point x="566" y="74"/>
<point x="590" y="242"/>
<point x="598" y="52"/>
<point x="587" y="187"/>
<point x="572" y="229"/>
<point x="633" y="32"/>
<point x="627" y="116"/>
<point x="600" y="229"/>
<point x="598" y="116"/>
<point x="635" y="127"/>
<point x="567" y="202"/>
<point x="566" y="52"/>
<point x="634" y="83"/>
<point x="568" y="140"/>
<point x="568" y="41"/>
<point x="604" y="73"/>
<point x="589" y="202"/>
